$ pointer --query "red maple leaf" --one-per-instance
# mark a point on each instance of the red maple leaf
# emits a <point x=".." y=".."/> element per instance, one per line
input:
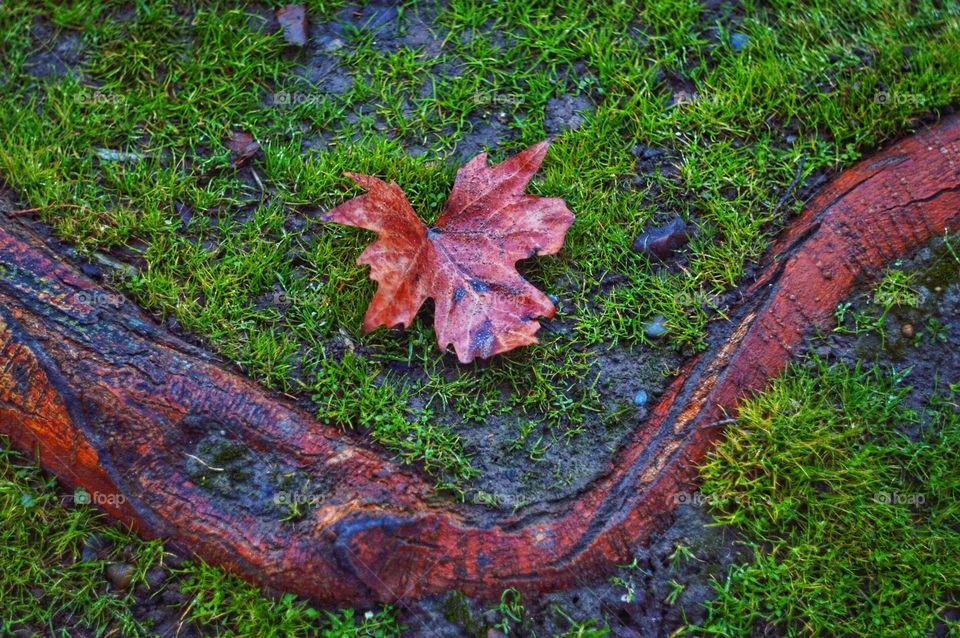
<point x="467" y="262"/>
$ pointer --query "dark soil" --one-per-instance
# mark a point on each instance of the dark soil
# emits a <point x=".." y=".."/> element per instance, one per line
<point x="634" y="600"/>
<point x="57" y="52"/>
<point x="630" y="380"/>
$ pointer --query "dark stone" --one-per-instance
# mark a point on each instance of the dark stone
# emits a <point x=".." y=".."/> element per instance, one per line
<point x="660" y="242"/>
<point x="120" y="574"/>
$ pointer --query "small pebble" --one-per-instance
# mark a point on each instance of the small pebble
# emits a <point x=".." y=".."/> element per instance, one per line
<point x="656" y="327"/>
<point x="907" y="330"/>
<point x="661" y="241"/>
<point x="738" y="41"/>
<point x="120" y="574"/>
<point x="641" y="398"/>
<point x="647" y="152"/>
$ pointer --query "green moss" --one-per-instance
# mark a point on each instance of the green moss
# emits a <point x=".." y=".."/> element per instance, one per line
<point x="854" y="526"/>
<point x="456" y="610"/>
<point x="39" y="531"/>
<point x="945" y="267"/>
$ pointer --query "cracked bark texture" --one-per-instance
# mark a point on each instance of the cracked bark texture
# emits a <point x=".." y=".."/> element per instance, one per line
<point x="110" y="402"/>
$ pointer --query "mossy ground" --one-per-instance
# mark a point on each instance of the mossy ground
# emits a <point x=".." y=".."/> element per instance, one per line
<point x="854" y="525"/>
<point x="675" y="107"/>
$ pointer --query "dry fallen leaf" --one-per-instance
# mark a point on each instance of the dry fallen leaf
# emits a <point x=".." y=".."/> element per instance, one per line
<point x="467" y="262"/>
<point x="242" y="147"/>
<point x="293" y="21"/>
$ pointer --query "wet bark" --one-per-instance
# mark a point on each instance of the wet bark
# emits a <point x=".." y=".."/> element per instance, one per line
<point x="170" y="441"/>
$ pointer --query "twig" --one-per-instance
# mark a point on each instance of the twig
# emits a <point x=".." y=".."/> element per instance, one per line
<point x="28" y="211"/>
<point x="793" y="185"/>
<point x="720" y="423"/>
<point x="202" y="462"/>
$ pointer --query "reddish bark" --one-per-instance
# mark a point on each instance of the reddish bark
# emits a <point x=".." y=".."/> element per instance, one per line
<point x="112" y="403"/>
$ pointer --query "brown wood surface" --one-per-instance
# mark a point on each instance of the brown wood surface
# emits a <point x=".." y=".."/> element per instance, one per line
<point x="113" y="403"/>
